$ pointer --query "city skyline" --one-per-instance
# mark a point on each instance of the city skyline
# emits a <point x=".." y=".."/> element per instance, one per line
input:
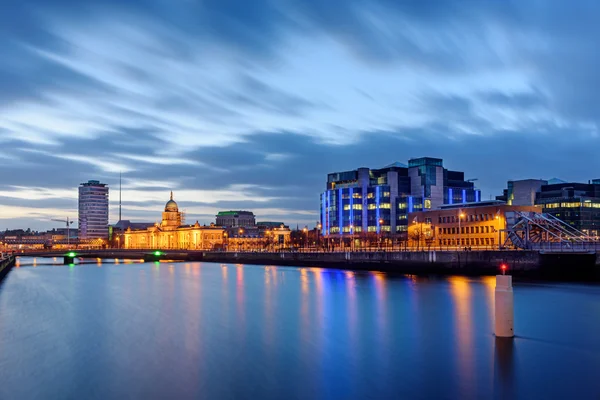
<point x="237" y="106"/>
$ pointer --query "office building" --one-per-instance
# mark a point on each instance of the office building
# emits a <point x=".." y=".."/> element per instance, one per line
<point x="364" y="200"/>
<point x="523" y="192"/>
<point x="234" y="219"/>
<point x="93" y="210"/>
<point x="577" y="204"/>
<point x="474" y="225"/>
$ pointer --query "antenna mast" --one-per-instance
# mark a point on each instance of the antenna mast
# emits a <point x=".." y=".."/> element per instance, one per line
<point x="119" y="196"/>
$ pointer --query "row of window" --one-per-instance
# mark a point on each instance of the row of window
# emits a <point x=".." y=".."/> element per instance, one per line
<point x="467" y="242"/>
<point x="572" y="205"/>
<point x="467" y="229"/>
<point x="467" y="218"/>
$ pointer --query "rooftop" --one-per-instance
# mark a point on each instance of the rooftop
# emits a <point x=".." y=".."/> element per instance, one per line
<point x="225" y="213"/>
<point x="474" y="204"/>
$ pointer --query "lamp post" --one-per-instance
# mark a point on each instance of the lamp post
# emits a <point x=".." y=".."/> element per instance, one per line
<point x="380" y="232"/>
<point x="305" y="230"/>
<point x="351" y="237"/>
<point x="499" y="238"/>
<point x="319" y="226"/>
<point x="460" y="216"/>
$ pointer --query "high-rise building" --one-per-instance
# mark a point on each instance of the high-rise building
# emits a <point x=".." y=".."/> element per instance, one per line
<point x="379" y="200"/>
<point x="93" y="210"/>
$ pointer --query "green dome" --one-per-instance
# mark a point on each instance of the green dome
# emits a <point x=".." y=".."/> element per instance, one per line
<point x="171" y="206"/>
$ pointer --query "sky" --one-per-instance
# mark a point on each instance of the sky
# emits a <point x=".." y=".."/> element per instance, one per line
<point x="236" y="104"/>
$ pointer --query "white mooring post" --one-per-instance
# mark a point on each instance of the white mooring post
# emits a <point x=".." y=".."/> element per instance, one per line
<point x="504" y="306"/>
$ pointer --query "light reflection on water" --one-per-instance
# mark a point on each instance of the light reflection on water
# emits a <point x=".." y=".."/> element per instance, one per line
<point x="168" y="330"/>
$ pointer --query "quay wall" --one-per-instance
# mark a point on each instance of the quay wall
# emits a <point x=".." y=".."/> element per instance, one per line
<point x="526" y="264"/>
<point x="6" y="265"/>
<point x="449" y="262"/>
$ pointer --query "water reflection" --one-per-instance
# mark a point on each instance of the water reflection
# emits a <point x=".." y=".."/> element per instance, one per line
<point x="460" y="288"/>
<point x="504" y="367"/>
<point x="204" y="330"/>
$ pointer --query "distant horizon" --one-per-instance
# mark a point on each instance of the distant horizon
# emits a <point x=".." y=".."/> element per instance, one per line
<point x="237" y="104"/>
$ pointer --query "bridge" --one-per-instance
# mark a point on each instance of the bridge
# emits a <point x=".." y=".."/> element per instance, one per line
<point x="69" y="256"/>
<point x="546" y="233"/>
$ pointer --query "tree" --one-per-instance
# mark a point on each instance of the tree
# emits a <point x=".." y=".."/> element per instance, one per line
<point x="416" y="235"/>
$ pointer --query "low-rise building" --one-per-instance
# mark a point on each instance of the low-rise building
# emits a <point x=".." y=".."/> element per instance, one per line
<point x="577" y="204"/>
<point x="471" y="225"/>
<point x="234" y="219"/>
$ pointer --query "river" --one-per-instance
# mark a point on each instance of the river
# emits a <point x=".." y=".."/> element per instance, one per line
<point x="121" y="330"/>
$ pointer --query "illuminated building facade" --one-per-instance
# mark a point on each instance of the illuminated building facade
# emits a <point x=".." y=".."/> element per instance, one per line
<point x="171" y="234"/>
<point x="378" y="201"/>
<point x="93" y="210"/>
<point x="475" y="225"/>
<point x="577" y="204"/>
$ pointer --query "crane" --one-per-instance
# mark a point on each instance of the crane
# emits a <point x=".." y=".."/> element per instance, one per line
<point x="68" y="222"/>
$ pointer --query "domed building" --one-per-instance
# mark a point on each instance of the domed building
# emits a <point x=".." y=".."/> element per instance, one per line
<point x="171" y="217"/>
<point x="171" y="233"/>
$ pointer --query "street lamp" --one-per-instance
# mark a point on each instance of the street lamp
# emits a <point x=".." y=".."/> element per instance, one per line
<point x="460" y="217"/>
<point x="319" y="226"/>
<point x="380" y="231"/>
<point x="351" y="237"/>
<point x="305" y="230"/>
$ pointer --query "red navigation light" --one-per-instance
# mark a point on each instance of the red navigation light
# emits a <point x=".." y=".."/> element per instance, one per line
<point x="503" y="267"/>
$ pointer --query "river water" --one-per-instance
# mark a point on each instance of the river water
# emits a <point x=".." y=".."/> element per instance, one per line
<point x="211" y="331"/>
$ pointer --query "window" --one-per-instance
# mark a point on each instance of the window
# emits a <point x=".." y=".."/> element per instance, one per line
<point x="370" y="195"/>
<point x="385" y="205"/>
<point x="386" y="194"/>
<point x="371" y="206"/>
<point x="357" y="206"/>
<point x="428" y="203"/>
<point x="346" y="207"/>
<point x="476" y="229"/>
<point x="356" y="195"/>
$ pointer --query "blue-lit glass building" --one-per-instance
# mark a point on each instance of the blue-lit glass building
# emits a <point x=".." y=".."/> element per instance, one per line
<point x="379" y="200"/>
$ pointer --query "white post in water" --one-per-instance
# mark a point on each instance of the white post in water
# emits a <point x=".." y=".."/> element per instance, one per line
<point x="504" y="305"/>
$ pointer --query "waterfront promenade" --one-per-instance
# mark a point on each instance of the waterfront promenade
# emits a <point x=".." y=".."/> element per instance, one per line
<point x="534" y="264"/>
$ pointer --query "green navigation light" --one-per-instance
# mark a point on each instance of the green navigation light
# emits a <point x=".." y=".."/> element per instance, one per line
<point x="157" y="253"/>
<point x="71" y="254"/>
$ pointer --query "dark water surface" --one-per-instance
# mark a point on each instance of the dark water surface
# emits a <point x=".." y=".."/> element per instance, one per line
<point x="210" y="331"/>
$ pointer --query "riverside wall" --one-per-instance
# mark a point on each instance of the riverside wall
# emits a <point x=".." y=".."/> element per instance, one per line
<point x="6" y="265"/>
<point x="519" y="263"/>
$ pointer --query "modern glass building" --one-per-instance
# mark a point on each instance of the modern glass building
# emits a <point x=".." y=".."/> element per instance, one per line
<point x="577" y="204"/>
<point x="379" y="200"/>
<point x="93" y="210"/>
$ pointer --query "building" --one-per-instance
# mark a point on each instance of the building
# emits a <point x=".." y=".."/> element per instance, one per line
<point x="372" y="201"/>
<point x="472" y="225"/>
<point x="93" y="210"/>
<point x="523" y="192"/>
<point x="234" y="219"/>
<point x="577" y="204"/>
<point x="171" y="234"/>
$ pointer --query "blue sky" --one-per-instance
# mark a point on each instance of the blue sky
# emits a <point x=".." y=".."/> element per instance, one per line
<point x="249" y="104"/>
